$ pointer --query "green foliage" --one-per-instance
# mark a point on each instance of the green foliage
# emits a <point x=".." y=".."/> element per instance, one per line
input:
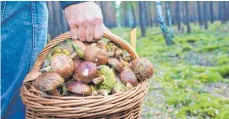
<point x="205" y="106"/>
<point x="223" y="60"/>
<point x="180" y="78"/>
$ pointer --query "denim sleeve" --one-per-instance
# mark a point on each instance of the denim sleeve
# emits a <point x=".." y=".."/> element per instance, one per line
<point x="65" y="4"/>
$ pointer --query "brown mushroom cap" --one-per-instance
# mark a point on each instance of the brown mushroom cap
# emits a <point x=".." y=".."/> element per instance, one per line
<point x="85" y="72"/>
<point x="95" y="55"/>
<point x="142" y="68"/>
<point x="32" y="76"/>
<point x="79" y="44"/>
<point x="127" y="75"/>
<point x="118" y="66"/>
<point x="77" y="62"/>
<point x="79" y="88"/>
<point x="48" y="81"/>
<point x="101" y="45"/>
<point x="62" y="64"/>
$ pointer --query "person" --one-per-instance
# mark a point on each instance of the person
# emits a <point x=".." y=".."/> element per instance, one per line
<point x="23" y="36"/>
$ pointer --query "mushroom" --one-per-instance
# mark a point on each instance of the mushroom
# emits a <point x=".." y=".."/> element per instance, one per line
<point x="85" y="72"/>
<point x="113" y="49"/>
<point x="128" y="76"/>
<point x="109" y="79"/>
<point x="142" y="68"/>
<point x="101" y="45"/>
<point x="94" y="89"/>
<point x="118" y="87"/>
<point x="62" y="64"/>
<point x="79" y="48"/>
<point x="96" y="55"/>
<point x="118" y="66"/>
<point x="49" y="82"/>
<point x="79" y="88"/>
<point x="76" y="62"/>
<point x="32" y="76"/>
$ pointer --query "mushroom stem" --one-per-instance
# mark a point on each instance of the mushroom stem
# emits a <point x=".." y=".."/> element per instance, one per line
<point x="54" y="92"/>
<point x="46" y="68"/>
<point x="73" y="55"/>
<point x="104" y="92"/>
<point x="111" y="54"/>
<point x="98" y="80"/>
<point x="118" y="52"/>
<point x="129" y="86"/>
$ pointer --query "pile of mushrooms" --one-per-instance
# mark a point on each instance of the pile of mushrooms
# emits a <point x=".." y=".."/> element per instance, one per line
<point x="74" y="68"/>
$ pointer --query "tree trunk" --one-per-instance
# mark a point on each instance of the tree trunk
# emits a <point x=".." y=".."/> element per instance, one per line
<point x="134" y="16"/>
<point x="205" y="15"/>
<point x="178" y="20"/>
<point x="211" y="12"/>
<point x="146" y="13"/>
<point x="103" y="9"/>
<point x="167" y="35"/>
<point x="168" y="14"/>
<point x="142" y="18"/>
<point x="150" y="14"/>
<point x="187" y="17"/>
<point x="199" y="13"/>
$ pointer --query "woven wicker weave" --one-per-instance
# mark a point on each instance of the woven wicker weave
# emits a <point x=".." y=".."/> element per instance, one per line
<point x="122" y="105"/>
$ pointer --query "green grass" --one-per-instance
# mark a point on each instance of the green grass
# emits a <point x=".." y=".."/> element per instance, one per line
<point x="183" y="70"/>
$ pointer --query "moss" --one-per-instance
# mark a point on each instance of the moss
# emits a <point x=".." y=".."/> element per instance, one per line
<point x="223" y="60"/>
<point x="206" y="106"/>
<point x="209" y="76"/>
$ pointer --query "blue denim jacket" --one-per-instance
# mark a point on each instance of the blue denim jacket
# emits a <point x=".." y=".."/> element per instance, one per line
<point x="23" y="35"/>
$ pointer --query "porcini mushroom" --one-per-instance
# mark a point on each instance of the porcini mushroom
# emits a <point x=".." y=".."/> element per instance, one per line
<point x="49" y="82"/>
<point x="85" y="72"/>
<point x="79" y="88"/>
<point x="128" y="76"/>
<point x="96" y="55"/>
<point x="109" y="79"/>
<point x="62" y="64"/>
<point x="142" y="68"/>
<point x="118" y="66"/>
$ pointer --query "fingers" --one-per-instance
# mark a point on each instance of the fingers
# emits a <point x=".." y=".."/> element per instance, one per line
<point x="87" y="31"/>
<point x="74" y="33"/>
<point x="98" y="30"/>
<point x="82" y="31"/>
<point x="90" y="31"/>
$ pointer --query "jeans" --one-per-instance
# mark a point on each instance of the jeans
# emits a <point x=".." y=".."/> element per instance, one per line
<point x="23" y="36"/>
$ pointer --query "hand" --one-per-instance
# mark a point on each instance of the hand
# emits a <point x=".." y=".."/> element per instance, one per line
<point x="85" y="21"/>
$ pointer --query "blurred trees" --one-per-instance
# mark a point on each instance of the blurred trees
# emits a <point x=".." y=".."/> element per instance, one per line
<point x="143" y="14"/>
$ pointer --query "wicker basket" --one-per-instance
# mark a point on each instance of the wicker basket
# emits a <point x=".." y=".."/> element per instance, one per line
<point x="126" y="105"/>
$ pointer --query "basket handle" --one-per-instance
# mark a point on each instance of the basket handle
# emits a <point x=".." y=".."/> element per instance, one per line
<point x="107" y="34"/>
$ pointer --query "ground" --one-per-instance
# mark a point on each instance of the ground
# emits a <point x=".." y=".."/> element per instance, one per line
<point x="191" y="77"/>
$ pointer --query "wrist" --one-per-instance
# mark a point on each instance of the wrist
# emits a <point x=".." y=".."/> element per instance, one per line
<point x="65" y="4"/>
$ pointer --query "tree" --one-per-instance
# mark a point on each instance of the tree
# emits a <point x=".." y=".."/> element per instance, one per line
<point x="150" y="14"/>
<point x="187" y="17"/>
<point x="146" y="13"/>
<point x="132" y="4"/>
<point x="142" y="18"/>
<point x="167" y="35"/>
<point x="168" y="14"/>
<point x="199" y="13"/>
<point x="178" y="20"/>
<point x="205" y="15"/>
<point x="211" y="12"/>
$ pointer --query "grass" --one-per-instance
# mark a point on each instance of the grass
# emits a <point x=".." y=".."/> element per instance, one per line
<point x="185" y="71"/>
